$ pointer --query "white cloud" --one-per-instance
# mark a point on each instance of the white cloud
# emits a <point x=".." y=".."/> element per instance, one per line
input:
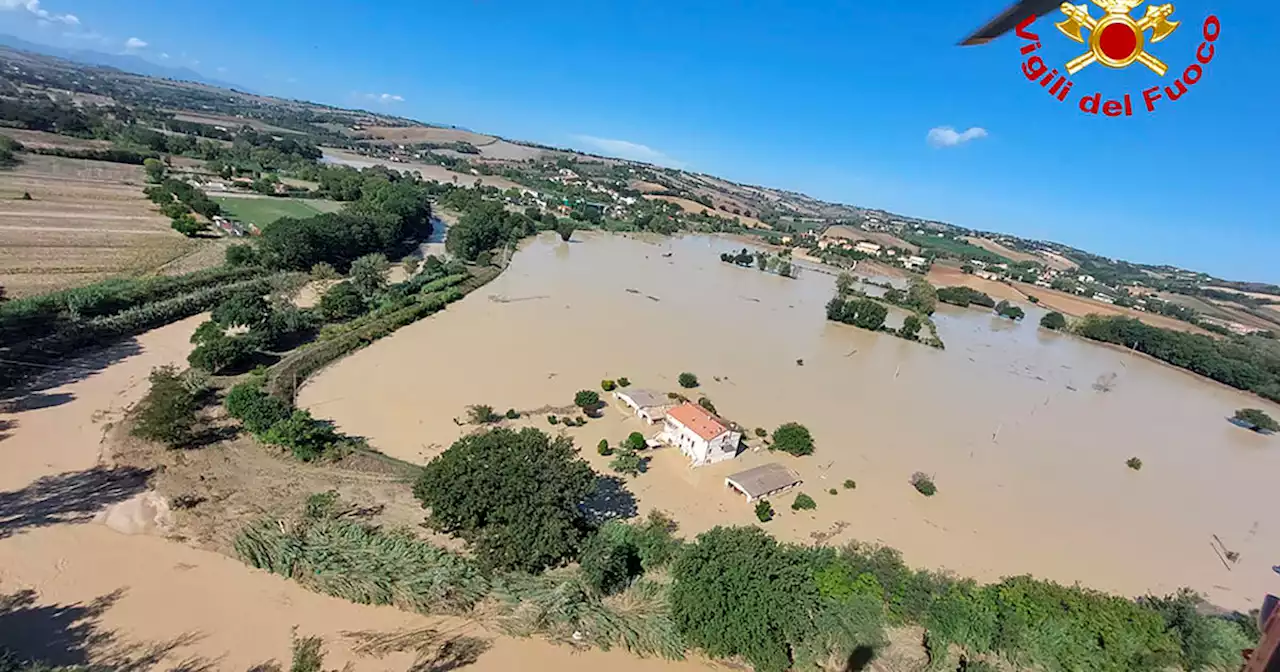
<point x="164" y="56"/>
<point x="383" y="98"/>
<point x="945" y="136"/>
<point x="221" y="69"/>
<point x="625" y="149"/>
<point x="33" y="7"/>
<point x="134" y="43"/>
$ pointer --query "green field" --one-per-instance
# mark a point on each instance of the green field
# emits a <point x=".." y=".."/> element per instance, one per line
<point x="263" y="211"/>
<point x="955" y="248"/>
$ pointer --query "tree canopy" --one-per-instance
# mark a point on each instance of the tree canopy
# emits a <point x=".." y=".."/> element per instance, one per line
<point x="860" y="312"/>
<point x="793" y="438"/>
<point x="515" y="496"/>
<point x="1053" y="320"/>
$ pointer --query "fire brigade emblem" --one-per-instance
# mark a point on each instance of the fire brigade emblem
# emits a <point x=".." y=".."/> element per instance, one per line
<point x="1117" y="40"/>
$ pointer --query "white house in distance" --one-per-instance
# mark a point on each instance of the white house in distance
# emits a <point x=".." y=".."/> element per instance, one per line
<point x="647" y="404"/>
<point x="703" y="437"/>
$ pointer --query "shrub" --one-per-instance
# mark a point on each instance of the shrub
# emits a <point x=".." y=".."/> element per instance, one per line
<point x="323" y="270"/>
<point x="833" y="491"/>
<point x="1257" y="420"/>
<point x="627" y="462"/>
<point x="608" y="385"/>
<point x="623" y="382"/>
<point x="764" y="511"/>
<point x="513" y="414"/>
<point x="910" y="329"/>
<point x="220" y="353"/>
<point x="241" y="254"/>
<point x="168" y="412"/>
<point x="687" y="380"/>
<point x="1006" y="309"/>
<point x="762" y="432"/>
<point x="923" y="483"/>
<point x="635" y="441"/>
<point x="803" y="502"/>
<point x="1053" y="320"/>
<point x="603" y="447"/>
<point x="554" y="420"/>
<point x="849" y="484"/>
<point x="792" y="438"/>
<point x="306" y="437"/>
<point x="586" y="399"/>
<point x="482" y="415"/>
<point x="706" y="403"/>
<point x="1134" y="463"/>
<point x="256" y="409"/>
<point x="369" y="273"/>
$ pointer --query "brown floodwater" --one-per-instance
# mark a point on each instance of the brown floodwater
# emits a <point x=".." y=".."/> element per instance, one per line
<point x="1027" y="453"/>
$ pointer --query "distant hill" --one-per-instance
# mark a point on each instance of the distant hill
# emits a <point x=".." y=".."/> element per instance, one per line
<point x="125" y="62"/>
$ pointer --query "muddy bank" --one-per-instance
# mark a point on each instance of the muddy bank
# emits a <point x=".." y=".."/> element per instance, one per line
<point x="1028" y="456"/>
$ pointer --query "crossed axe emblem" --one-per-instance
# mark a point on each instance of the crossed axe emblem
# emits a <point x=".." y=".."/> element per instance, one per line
<point x="1116" y="40"/>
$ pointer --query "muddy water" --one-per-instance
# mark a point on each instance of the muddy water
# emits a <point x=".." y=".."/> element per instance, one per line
<point x="1027" y="454"/>
<point x="207" y="611"/>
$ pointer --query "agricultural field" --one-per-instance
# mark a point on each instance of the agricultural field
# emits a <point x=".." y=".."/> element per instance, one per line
<point x="696" y="207"/>
<point x="1006" y="252"/>
<point x="955" y="247"/>
<point x="877" y="237"/>
<point x="51" y="140"/>
<point x="85" y="221"/>
<point x="490" y="147"/>
<point x="263" y="210"/>
<point x="1221" y="310"/>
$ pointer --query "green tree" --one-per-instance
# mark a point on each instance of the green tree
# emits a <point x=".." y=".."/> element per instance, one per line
<point x="706" y="403"/>
<point x="603" y="447"/>
<point x="1006" y="309"/>
<point x="564" y="227"/>
<point x="635" y="441"/>
<point x="628" y="462"/>
<point x="432" y="264"/>
<point x="764" y="511"/>
<point x="342" y="302"/>
<point x="803" y="502"/>
<point x="922" y="296"/>
<point x="793" y="438"/>
<point x="187" y="225"/>
<point x="515" y="496"/>
<point x="155" y="170"/>
<point x="369" y="274"/>
<point x="306" y="437"/>
<point x="221" y="352"/>
<point x="587" y="399"/>
<point x="608" y="563"/>
<point x="910" y="327"/>
<point x="844" y="283"/>
<point x="687" y="380"/>
<point x="1053" y="320"/>
<point x="168" y="412"/>
<point x="737" y="592"/>
<point x="241" y="309"/>
<point x="258" y="410"/>
<point x="241" y="254"/>
<point x="1257" y="420"/>
<point x="410" y="264"/>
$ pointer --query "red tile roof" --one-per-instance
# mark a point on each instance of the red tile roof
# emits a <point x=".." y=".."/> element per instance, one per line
<point x="698" y="419"/>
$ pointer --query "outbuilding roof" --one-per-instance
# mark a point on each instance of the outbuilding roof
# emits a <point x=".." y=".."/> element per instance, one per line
<point x="764" y="479"/>
<point x="644" y="398"/>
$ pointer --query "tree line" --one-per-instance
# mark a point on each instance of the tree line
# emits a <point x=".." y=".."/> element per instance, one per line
<point x="1245" y="363"/>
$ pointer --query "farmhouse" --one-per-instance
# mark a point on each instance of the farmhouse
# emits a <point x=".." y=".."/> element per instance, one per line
<point x="868" y="248"/>
<point x="915" y="261"/>
<point x="703" y="437"/>
<point x="647" y="405"/>
<point x="765" y="480"/>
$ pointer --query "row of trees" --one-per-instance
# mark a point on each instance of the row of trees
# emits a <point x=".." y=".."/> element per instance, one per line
<point x="965" y="296"/>
<point x="1245" y="363"/>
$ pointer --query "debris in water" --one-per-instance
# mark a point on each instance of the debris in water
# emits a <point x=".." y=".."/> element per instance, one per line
<point x="632" y="291"/>
<point x="851" y="352"/>
<point x="1105" y="383"/>
<point x="749" y="298"/>
<point x="652" y="297"/>
<point x="667" y="254"/>
<point x="799" y="362"/>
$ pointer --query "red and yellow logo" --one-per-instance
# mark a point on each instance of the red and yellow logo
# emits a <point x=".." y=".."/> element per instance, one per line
<point x="1116" y="40"/>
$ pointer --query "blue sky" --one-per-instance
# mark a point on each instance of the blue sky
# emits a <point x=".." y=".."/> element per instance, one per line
<point x="835" y="99"/>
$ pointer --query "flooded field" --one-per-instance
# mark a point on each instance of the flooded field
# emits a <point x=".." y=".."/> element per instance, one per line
<point x="1026" y="432"/>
